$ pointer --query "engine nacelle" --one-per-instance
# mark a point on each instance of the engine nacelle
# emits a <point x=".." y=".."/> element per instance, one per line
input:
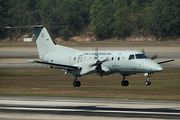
<point x="146" y="74"/>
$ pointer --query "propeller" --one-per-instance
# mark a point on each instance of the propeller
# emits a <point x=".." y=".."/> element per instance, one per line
<point x="153" y="57"/>
<point x="143" y="51"/>
<point x="99" y="63"/>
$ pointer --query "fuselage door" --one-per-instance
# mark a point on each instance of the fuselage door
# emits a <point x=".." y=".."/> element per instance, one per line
<point x="80" y="58"/>
<point x="118" y="63"/>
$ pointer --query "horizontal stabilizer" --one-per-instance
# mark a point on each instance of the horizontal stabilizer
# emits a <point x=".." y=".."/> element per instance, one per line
<point x="33" y="26"/>
<point x="30" y="61"/>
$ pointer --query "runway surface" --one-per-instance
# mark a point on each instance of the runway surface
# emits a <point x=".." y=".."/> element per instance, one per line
<point x="16" y="57"/>
<point x="68" y="108"/>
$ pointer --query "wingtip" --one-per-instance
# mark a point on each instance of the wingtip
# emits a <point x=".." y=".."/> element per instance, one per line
<point x="160" y="62"/>
<point x="30" y="61"/>
<point x="8" y="27"/>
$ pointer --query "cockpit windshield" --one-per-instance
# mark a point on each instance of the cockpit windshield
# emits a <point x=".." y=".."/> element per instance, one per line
<point x="131" y="57"/>
<point x="141" y="56"/>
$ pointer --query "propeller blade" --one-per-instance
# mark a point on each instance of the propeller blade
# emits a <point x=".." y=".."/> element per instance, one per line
<point x="101" y="74"/>
<point x="100" y="70"/>
<point x="154" y="57"/>
<point x="143" y="51"/>
<point x="105" y="60"/>
<point x="97" y="53"/>
<point x="98" y="62"/>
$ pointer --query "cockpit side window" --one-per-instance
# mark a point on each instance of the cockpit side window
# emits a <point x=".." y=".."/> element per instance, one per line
<point x="131" y="57"/>
<point x="141" y="56"/>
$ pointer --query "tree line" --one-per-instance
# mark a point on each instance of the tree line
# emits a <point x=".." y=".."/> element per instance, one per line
<point x="105" y="19"/>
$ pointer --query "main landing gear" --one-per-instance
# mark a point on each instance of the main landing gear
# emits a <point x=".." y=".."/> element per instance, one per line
<point x="124" y="82"/>
<point x="76" y="83"/>
<point x="148" y="75"/>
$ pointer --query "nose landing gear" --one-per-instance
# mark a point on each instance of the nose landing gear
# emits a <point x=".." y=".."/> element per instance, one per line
<point x="148" y="82"/>
<point x="148" y="75"/>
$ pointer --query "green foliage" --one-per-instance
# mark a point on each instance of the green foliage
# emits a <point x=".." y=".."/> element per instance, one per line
<point x="122" y="23"/>
<point x="48" y="12"/>
<point x="102" y="18"/>
<point x="22" y="13"/>
<point x="73" y="15"/>
<point x="163" y="17"/>
<point x="107" y="18"/>
<point x="4" y="18"/>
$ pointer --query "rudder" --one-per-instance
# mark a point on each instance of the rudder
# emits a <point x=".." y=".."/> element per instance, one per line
<point x="44" y="42"/>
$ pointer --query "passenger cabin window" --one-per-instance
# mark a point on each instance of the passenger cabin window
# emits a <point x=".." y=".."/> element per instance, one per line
<point x="84" y="58"/>
<point x="141" y="56"/>
<point x="131" y="57"/>
<point x="118" y="58"/>
<point x="95" y="57"/>
<point x="112" y="58"/>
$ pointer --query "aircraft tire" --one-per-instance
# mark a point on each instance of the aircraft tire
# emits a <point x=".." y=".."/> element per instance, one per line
<point x="148" y="83"/>
<point x="125" y="83"/>
<point x="76" y="83"/>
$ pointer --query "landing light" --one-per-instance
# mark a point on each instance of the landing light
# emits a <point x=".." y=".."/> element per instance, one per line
<point x="50" y="67"/>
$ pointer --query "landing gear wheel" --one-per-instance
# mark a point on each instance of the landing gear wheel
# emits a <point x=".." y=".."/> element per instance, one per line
<point x="148" y="75"/>
<point x="76" y="83"/>
<point x="125" y="83"/>
<point x="148" y="83"/>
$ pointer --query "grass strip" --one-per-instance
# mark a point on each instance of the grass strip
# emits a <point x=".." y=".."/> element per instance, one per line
<point x="51" y="82"/>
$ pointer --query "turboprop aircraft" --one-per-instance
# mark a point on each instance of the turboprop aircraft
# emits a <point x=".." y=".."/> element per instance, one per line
<point x="79" y="63"/>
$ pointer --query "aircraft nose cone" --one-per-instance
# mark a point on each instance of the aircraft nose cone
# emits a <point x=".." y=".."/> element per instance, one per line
<point x="157" y="68"/>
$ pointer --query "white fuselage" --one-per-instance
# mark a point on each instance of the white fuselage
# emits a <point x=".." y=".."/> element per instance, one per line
<point x="118" y="61"/>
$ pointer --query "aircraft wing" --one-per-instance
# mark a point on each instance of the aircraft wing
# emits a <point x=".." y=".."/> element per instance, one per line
<point x="60" y="66"/>
<point x="160" y="62"/>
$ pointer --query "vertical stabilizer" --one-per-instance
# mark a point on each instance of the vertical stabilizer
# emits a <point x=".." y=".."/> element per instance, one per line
<point x="44" y="42"/>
